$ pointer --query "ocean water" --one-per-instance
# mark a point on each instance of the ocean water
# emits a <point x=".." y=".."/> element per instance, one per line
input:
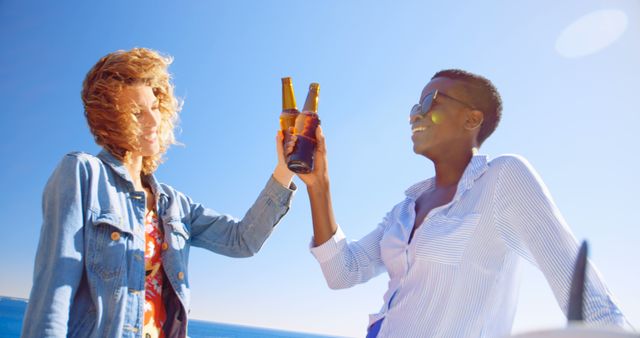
<point x="12" y="311"/>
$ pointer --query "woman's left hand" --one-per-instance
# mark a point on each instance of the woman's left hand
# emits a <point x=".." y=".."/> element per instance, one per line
<point x="282" y="174"/>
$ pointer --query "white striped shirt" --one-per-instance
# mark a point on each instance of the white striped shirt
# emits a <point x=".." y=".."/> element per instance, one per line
<point x="459" y="277"/>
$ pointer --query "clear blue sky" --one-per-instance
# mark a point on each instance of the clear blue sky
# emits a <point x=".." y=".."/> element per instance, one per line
<point x="570" y="107"/>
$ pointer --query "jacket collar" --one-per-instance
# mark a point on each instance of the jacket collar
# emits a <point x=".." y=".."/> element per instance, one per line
<point x="118" y="167"/>
<point x="476" y="167"/>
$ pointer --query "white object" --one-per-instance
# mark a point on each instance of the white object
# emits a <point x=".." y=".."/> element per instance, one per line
<point x="579" y="332"/>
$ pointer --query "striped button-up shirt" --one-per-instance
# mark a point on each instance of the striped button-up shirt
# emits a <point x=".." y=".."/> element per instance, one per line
<point x="458" y="276"/>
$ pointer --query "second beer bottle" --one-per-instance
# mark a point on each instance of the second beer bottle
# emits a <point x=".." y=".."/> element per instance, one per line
<point x="301" y="159"/>
<point x="289" y="109"/>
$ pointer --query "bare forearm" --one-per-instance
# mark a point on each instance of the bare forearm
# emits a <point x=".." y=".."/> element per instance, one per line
<point x="324" y="224"/>
<point x="283" y="175"/>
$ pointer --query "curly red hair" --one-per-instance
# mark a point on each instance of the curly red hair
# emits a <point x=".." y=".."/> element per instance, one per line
<point x="112" y="123"/>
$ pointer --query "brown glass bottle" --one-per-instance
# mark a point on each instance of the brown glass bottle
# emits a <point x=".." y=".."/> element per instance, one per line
<point x="289" y="109"/>
<point x="301" y="159"/>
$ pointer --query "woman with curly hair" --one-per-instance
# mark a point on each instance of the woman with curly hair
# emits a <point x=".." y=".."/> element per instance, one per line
<point x="114" y="245"/>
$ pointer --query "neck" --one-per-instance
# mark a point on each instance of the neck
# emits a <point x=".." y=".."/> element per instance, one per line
<point x="450" y="167"/>
<point x="134" y="166"/>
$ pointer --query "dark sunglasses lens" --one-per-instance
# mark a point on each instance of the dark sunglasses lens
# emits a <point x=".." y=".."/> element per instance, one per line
<point x="415" y="110"/>
<point x="426" y="103"/>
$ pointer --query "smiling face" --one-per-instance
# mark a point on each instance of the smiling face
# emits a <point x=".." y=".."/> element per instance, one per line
<point x="449" y="125"/>
<point x="145" y="107"/>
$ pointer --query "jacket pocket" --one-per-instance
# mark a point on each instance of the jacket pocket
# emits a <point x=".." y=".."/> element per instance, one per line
<point x="109" y="240"/>
<point x="444" y="239"/>
<point x="180" y="234"/>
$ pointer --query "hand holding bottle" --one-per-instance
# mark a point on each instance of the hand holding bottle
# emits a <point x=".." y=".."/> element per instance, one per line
<point x="281" y="173"/>
<point x="306" y="154"/>
<point x="317" y="182"/>
<point x="319" y="176"/>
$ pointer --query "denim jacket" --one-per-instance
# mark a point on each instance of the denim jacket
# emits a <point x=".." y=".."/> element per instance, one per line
<point x="89" y="269"/>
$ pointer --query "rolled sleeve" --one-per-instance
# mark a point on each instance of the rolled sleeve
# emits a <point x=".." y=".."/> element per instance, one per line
<point x="279" y="193"/>
<point x="345" y="264"/>
<point x="329" y="249"/>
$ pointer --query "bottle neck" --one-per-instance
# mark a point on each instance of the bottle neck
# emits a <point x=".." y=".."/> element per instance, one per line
<point x="311" y="104"/>
<point x="288" y="97"/>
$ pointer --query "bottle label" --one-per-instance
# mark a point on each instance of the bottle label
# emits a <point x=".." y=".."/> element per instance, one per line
<point x="287" y="124"/>
<point x="306" y="125"/>
<point x="301" y="159"/>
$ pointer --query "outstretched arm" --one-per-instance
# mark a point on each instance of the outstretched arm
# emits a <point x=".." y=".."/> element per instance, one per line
<point x="243" y="238"/>
<point x="317" y="182"/>
<point x="343" y="264"/>
<point x="531" y="224"/>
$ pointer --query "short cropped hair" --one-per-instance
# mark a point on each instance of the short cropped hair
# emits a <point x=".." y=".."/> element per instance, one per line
<point x="114" y="124"/>
<point x="482" y="95"/>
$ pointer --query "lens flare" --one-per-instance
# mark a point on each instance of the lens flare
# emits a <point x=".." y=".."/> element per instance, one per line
<point x="592" y="33"/>
<point x="436" y="117"/>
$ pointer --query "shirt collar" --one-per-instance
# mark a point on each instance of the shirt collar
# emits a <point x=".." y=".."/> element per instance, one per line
<point x="118" y="167"/>
<point x="476" y="167"/>
<point x="156" y="188"/>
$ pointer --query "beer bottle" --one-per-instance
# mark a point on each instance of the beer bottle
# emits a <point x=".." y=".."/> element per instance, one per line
<point x="289" y="109"/>
<point x="301" y="159"/>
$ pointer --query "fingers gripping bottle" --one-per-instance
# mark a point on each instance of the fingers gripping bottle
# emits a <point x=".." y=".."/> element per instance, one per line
<point x="301" y="159"/>
<point x="289" y="109"/>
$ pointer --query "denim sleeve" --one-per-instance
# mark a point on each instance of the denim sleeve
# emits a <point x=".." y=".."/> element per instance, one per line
<point x="531" y="224"/>
<point x="59" y="262"/>
<point x="228" y="236"/>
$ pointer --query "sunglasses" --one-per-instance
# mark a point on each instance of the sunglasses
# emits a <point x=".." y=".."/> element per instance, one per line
<point x="425" y="106"/>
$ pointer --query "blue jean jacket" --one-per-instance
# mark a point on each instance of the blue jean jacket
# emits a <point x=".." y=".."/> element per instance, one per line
<point x="89" y="270"/>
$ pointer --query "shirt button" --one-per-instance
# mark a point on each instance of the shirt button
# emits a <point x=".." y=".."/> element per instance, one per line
<point x="180" y="275"/>
<point x="115" y="236"/>
<point x="165" y="246"/>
